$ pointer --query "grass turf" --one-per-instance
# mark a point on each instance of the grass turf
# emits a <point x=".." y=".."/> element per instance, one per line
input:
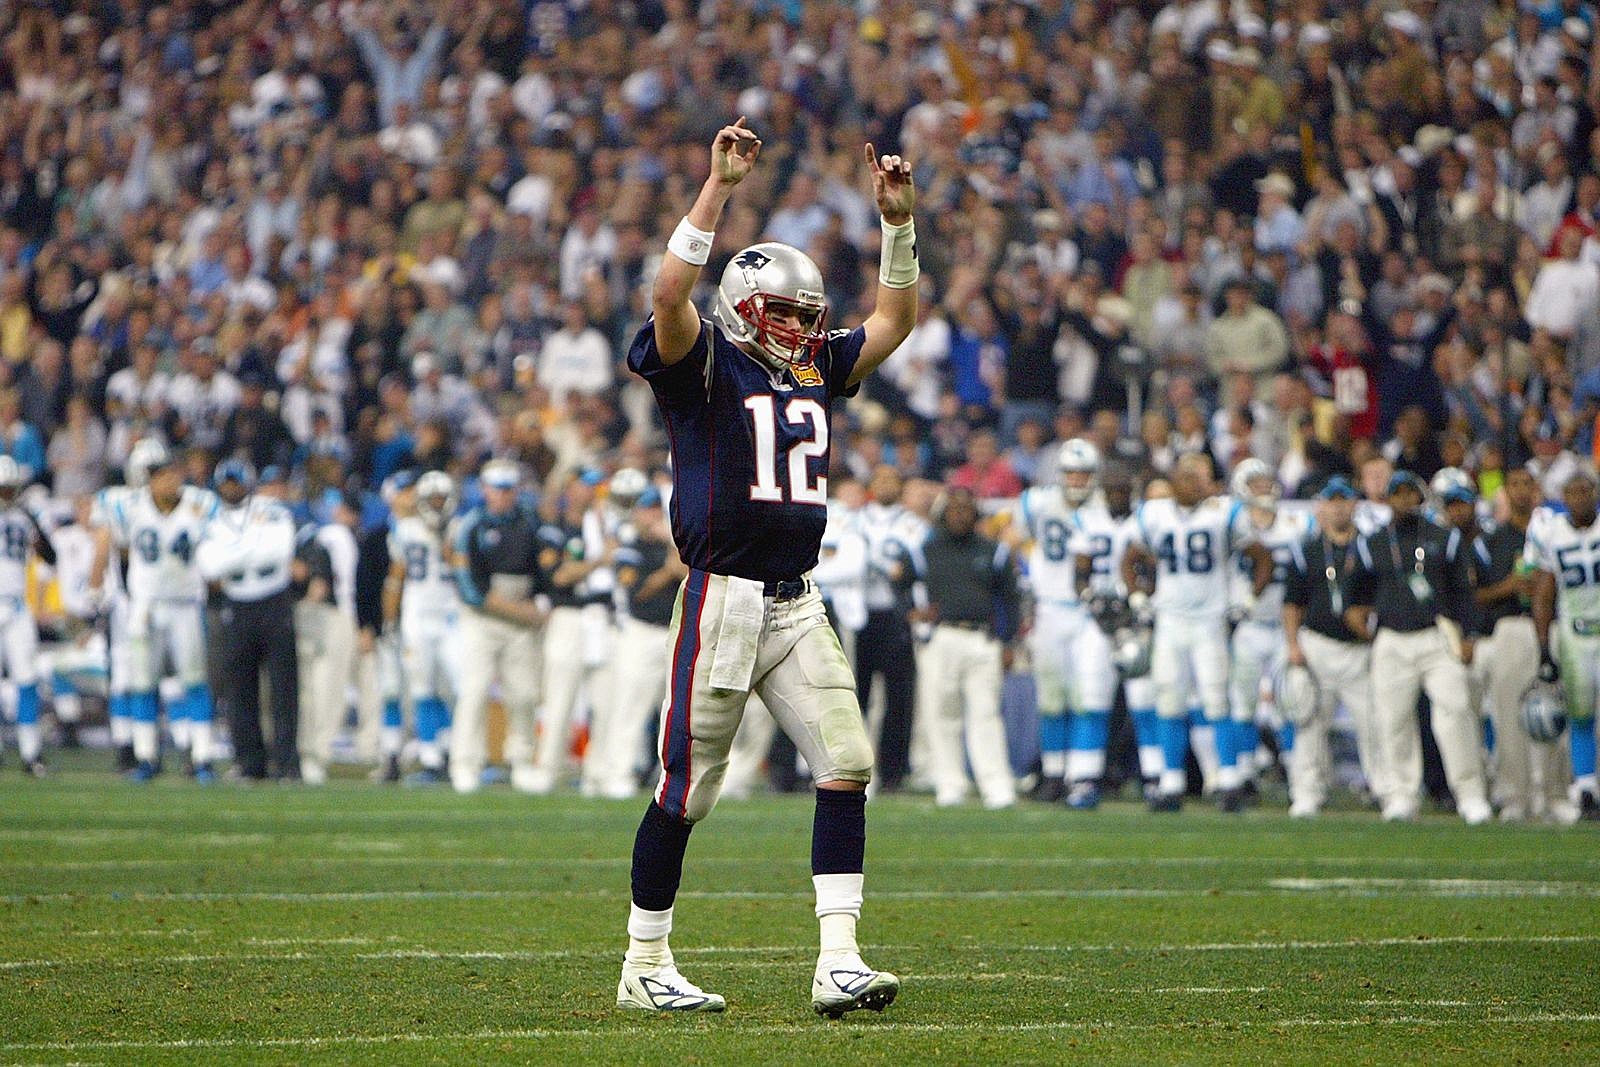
<point x="358" y="924"/>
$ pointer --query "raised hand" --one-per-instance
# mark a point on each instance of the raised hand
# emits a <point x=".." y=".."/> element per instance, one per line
<point x="892" y="187"/>
<point x="734" y="153"/>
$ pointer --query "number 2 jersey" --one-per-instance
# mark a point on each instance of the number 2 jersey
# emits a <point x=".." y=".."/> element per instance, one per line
<point x="160" y="546"/>
<point x="1193" y="548"/>
<point x="429" y="595"/>
<point x="749" y="450"/>
<point x="1060" y="534"/>
<point x="1573" y="556"/>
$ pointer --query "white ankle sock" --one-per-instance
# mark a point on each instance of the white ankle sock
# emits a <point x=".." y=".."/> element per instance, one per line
<point x="647" y="938"/>
<point x="838" y="908"/>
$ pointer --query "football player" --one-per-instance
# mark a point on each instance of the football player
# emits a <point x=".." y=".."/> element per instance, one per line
<point x="1190" y="538"/>
<point x="1566" y="617"/>
<point x="1259" y="647"/>
<point x="747" y="400"/>
<point x="1072" y="535"/>
<point x="158" y="527"/>
<point x="1138" y="687"/>
<point x="20" y="537"/>
<point x="421" y="604"/>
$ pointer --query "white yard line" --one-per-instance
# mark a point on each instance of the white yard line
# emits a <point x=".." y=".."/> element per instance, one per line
<point x="777" y="1029"/>
<point x="1443" y="887"/>
<point x="784" y="950"/>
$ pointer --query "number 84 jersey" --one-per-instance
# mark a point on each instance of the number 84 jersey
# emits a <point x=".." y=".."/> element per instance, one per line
<point x="1573" y="556"/>
<point x="1192" y="547"/>
<point x="161" y="545"/>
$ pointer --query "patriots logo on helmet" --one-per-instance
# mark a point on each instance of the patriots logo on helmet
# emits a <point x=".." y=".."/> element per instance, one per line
<point x="753" y="259"/>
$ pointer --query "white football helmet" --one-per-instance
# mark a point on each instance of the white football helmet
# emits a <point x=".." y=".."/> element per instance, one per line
<point x="768" y="277"/>
<point x="1544" y="712"/>
<point x="1078" y="456"/>
<point x="147" y="455"/>
<point x="1452" y="482"/>
<point x="626" y="487"/>
<point x="1295" y="694"/>
<point x="436" y="498"/>
<point x="1245" y="484"/>
<point x="11" y="479"/>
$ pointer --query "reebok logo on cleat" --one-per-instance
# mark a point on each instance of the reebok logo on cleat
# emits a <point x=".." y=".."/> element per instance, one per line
<point x="667" y="998"/>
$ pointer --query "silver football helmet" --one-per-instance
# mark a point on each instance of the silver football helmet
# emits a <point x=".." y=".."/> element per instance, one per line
<point x="1131" y="649"/>
<point x="1247" y="480"/>
<point x="436" y="499"/>
<point x="1295" y="694"/>
<point x="1453" y="483"/>
<point x="1544" y="712"/>
<point x="147" y="455"/>
<point x="770" y="277"/>
<point x="1078" y="456"/>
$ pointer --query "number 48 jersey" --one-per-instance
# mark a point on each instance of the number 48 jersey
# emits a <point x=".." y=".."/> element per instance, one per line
<point x="1573" y="556"/>
<point x="161" y="545"/>
<point x="1192" y="547"/>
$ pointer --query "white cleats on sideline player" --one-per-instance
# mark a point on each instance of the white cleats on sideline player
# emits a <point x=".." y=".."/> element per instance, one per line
<point x="664" y="989"/>
<point x="843" y="982"/>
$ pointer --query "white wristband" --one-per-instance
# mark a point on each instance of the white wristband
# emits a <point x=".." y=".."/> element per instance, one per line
<point x="690" y="243"/>
<point x="897" y="266"/>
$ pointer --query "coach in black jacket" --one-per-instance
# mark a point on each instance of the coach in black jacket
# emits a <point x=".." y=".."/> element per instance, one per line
<point x="972" y="602"/>
<point x="1412" y="596"/>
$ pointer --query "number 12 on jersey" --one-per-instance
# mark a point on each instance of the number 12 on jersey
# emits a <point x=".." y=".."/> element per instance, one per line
<point x="801" y="489"/>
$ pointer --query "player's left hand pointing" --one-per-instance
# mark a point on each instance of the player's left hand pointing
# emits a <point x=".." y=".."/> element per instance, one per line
<point x="892" y="187"/>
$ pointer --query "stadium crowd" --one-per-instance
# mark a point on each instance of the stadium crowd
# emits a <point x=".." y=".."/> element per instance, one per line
<point x="348" y="244"/>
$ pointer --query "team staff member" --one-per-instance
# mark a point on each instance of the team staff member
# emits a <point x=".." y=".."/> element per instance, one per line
<point x="973" y="605"/>
<point x="883" y="643"/>
<point x="497" y="568"/>
<point x="1507" y="660"/>
<point x="1411" y="595"/>
<point x="1316" y="591"/>
<point x="649" y="571"/>
<point x="248" y="550"/>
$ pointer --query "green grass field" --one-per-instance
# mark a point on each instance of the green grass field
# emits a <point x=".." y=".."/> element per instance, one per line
<point x="359" y="924"/>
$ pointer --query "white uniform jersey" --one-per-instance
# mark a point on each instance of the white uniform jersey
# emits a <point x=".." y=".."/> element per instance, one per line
<point x="16" y="541"/>
<point x="1289" y="527"/>
<point x="1060" y="533"/>
<point x="841" y="570"/>
<point x="429" y="594"/>
<point x="161" y="546"/>
<point x="1573" y="556"/>
<point x="1192" y="547"/>
<point x="74" y="546"/>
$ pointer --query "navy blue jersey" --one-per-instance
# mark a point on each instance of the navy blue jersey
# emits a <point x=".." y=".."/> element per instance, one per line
<point x="749" y="451"/>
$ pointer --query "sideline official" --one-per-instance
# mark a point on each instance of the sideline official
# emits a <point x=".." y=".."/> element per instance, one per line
<point x="1316" y="591"/>
<point x="973" y="604"/>
<point x="247" y="551"/>
<point x="497" y="570"/>
<point x="1411" y="594"/>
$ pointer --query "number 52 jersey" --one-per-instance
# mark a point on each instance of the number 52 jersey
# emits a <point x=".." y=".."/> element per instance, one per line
<point x="1192" y="547"/>
<point x="1573" y="556"/>
<point x="749" y="450"/>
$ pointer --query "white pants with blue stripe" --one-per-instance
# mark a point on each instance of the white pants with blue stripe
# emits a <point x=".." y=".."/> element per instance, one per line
<point x="800" y="673"/>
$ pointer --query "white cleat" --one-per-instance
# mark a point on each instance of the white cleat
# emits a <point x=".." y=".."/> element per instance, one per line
<point x="664" y="989"/>
<point x="844" y="983"/>
<point x="1475" y="812"/>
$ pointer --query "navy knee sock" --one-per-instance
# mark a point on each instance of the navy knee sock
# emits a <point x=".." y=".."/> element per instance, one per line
<point x="658" y="858"/>
<point x="839" y="832"/>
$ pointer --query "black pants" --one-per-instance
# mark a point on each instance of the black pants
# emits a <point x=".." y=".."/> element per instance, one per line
<point x="257" y="639"/>
<point x="884" y="647"/>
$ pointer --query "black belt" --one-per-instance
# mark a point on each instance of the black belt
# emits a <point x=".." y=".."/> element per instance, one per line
<point x="786" y="589"/>
<point x="965" y="624"/>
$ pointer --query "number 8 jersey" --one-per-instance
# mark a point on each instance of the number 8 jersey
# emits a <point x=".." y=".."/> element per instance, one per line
<point x="161" y="546"/>
<point x="1192" y="547"/>
<point x="1060" y="534"/>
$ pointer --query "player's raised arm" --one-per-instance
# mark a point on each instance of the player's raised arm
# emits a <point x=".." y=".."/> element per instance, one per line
<point x="896" y="311"/>
<point x="677" y="323"/>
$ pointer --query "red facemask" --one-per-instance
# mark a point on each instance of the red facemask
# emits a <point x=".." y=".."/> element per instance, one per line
<point x="798" y="347"/>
